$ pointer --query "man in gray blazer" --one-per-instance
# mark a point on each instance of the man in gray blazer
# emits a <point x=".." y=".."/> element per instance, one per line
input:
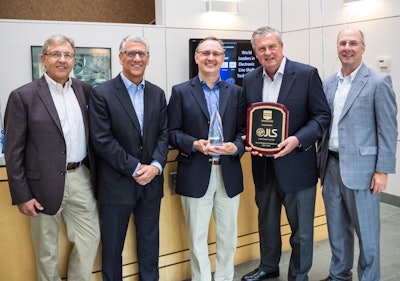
<point x="356" y="155"/>
<point x="47" y="154"/>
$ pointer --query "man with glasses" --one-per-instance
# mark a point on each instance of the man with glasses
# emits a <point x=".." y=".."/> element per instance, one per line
<point x="48" y="155"/>
<point x="128" y="122"/>
<point x="356" y="155"/>
<point x="209" y="177"/>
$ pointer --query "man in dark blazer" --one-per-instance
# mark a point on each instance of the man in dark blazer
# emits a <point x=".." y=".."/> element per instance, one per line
<point x="289" y="177"/>
<point x="128" y="119"/>
<point x="356" y="155"/>
<point x="47" y="154"/>
<point x="209" y="178"/>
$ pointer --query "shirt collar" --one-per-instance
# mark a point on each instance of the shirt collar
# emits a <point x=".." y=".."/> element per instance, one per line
<point x="129" y="83"/>
<point x="352" y="75"/>
<point x="280" y="70"/>
<point x="204" y="84"/>
<point x="53" y="85"/>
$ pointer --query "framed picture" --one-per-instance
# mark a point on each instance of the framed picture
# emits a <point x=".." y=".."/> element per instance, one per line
<point x="92" y="65"/>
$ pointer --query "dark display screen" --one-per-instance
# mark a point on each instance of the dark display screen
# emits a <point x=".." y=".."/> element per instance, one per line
<point x="239" y="60"/>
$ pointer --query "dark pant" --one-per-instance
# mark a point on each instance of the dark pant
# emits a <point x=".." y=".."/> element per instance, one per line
<point x="299" y="208"/>
<point x="114" y="225"/>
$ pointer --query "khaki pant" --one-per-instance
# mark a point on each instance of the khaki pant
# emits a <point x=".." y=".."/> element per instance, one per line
<point x="197" y="213"/>
<point x="79" y="211"/>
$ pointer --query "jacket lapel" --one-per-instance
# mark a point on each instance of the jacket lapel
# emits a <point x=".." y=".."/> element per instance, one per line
<point x="80" y="96"/>
<point x="198" y="95"/>
<point x="287" y="82"/>
<point x="356" y="86"/>
<point x="223" y="98"/>
<point x="45" y="95"/>
<point x="123" y="96"/>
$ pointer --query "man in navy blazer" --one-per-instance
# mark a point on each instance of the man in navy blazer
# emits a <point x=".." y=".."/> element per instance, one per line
<point x="47" y="153"/>
<point x="289" y="177"/>
<point x="128" y="119"/>
<point x="356" y="155"/>
<point x="209" y="178"/>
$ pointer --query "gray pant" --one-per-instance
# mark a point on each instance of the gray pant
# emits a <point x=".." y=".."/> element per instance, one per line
<point x="349" y="210"/>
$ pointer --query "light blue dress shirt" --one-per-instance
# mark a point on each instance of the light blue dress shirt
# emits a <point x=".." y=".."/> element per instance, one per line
<point x="136" y="93"/>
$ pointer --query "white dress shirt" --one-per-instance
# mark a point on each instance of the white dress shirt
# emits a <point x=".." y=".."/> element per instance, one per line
<point x="70" y="115"/>
<point x="271" y="87"/>
<point x="342" y="91"/>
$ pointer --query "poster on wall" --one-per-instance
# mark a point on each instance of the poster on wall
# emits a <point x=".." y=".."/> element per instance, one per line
<point x="92" y="65"/>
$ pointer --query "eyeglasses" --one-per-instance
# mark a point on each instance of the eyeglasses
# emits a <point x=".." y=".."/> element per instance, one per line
<point x="58" y="55"/>
<point x="351" y="43"/>
<point x="132" y="54"/>
<point x="207" y="53"/>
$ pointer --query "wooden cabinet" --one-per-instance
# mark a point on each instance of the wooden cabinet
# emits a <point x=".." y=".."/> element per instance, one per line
<point x="17" y="261"/>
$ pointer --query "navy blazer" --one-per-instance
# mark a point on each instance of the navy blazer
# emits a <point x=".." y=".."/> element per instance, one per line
<point x="309" y="117"/>
<point x="188" y="120"/>
<point x="35" y="149"/>
<point x="116" y="137"/>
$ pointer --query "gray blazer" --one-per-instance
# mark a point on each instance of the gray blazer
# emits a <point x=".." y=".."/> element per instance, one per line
<point x="367" y="128"/>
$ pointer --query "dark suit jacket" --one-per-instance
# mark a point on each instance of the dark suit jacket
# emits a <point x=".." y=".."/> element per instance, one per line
<point x="35" y="149"/>
<point x="309" y="116"/>
<point x="115" y="134"/>
<point x="189" y="121"/>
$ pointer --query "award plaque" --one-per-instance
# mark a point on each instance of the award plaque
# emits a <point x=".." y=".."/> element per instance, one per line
<point x="267" y="126"/>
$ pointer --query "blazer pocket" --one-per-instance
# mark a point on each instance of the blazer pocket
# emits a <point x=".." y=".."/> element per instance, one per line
<point x="32" y="175"/>
<point x="368" y="150"/>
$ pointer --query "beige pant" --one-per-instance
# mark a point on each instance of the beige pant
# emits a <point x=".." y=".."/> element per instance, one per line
<point x="79" y="211"/>
<point x="197" y="213"/>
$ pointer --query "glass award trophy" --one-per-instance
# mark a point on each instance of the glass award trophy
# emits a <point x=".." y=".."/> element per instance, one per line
<point x="215" y="133"/>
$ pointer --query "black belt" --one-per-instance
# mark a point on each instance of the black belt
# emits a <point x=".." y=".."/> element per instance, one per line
<point x="334" y="154"/>
<point x="215" y="161"/>
<point x="73" y="166"/>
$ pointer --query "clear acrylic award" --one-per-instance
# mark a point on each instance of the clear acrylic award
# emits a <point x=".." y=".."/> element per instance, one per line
<point x="215" y="133"/>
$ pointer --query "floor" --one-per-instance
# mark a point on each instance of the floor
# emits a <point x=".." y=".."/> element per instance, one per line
<point x="390" y="252"/>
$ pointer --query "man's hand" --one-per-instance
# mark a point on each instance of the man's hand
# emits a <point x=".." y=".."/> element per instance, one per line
<point x="201" y="146"/>
<point x="288" y="145"/>
<point x="378" y="182"/>
<point x="30" y="207"/>
<point x="227" y="148"/>
<point x="146" y="174"/>
<point x="249" y="149"/>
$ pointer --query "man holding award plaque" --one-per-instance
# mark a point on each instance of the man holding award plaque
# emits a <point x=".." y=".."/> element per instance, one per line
<point x="287" y="114"/>
<point x="206" y="119"/>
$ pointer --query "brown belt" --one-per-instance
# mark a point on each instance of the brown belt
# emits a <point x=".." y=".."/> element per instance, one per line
<point x="73" y="166"/>
<point x="334" y="154"/>
<point x="215" y="161"/>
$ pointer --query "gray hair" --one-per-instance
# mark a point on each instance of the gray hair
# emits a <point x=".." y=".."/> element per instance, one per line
<point x="133" y="38"/>
<point x="56" y="39"/>
<point x="264" y="31"/>
<point x="355" y="29"/>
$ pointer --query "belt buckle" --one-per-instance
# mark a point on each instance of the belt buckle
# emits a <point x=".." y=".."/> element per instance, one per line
<point x="73" y="166"/>
<point x="334" y="154"/>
